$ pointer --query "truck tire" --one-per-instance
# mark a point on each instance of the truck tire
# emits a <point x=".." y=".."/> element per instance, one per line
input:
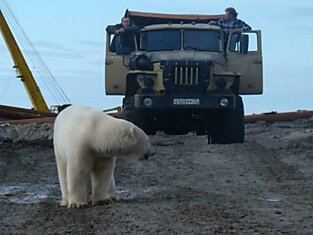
<point x="139" y="117"/>
<point x="228" y="125"/>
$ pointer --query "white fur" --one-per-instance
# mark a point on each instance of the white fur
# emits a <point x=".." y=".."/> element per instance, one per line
<point x="86" y="142"/>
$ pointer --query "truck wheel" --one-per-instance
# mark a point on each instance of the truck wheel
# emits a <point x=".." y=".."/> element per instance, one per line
<point x="228" y="125"/>
<point x="140" y="117"/>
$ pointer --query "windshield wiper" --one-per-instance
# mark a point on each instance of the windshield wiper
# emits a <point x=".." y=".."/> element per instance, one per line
<point x="192" y="48"/>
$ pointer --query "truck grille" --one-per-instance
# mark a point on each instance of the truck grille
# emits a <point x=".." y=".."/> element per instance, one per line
<point x="186" y="75"/>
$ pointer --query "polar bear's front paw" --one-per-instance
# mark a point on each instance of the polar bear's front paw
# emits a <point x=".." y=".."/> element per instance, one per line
<point x="77" y="205"/>
<point x="114" y="198"/>
<point x="101" y="202"/>
<point x="64" y="202"/>
<point x="104" y="201"/>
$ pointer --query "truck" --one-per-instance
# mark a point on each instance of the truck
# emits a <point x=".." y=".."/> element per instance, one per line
<point x="184" y="75"/>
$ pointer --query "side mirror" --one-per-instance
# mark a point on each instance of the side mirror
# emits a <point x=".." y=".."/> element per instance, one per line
<point x="244" y="43"/>
<point x="123" y="50"/>
<point x="123" y="44"/>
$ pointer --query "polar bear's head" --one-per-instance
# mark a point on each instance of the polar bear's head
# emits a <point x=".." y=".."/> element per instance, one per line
<point x="138" y="143"/>
<point x="119" y="138"/>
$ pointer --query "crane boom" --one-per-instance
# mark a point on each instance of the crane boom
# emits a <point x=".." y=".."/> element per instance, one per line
<point x="22" y="68"/>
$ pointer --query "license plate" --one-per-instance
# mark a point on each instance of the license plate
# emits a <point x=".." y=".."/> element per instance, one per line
<point x="186" y="101"/>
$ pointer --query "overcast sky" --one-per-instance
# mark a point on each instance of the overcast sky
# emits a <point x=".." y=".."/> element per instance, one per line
<point x="70" y="37"/>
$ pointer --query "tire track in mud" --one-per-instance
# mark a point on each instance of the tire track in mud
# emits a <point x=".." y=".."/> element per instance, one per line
<point x="286" y="179"/>
<point x="267" y="164"/>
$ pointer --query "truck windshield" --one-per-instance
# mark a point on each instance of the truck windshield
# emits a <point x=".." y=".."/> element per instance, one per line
<point x="202" y="40"/>
<point x="161" y="40"/>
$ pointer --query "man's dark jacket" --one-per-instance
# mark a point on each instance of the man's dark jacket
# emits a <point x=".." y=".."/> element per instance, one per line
<point x="124" y="39"/>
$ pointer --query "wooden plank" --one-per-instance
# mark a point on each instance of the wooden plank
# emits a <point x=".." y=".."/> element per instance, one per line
<point x="23" y="110"/>
<point x="276" y="117"/>
<point x="29" y="121"/>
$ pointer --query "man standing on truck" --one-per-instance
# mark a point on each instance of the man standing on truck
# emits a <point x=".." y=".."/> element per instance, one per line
<point x="123" y="41"/>
<point x="231" y="23"/>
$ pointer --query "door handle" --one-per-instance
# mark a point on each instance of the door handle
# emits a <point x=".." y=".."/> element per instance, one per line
<point x="257" y="62"/>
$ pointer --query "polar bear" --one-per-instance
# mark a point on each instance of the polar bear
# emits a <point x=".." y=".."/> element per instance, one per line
<point x="86" y="143"/>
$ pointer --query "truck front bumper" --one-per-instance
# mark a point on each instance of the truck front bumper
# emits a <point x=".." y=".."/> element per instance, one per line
<point x="203" y="101"/>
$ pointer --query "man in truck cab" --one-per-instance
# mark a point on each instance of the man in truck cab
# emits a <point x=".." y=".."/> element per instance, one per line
<point x="123" y="40"/>
<point x="231" y="23"/>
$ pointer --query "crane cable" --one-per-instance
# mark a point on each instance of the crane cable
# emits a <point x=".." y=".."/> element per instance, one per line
<point x="45" y="74"/>
<point x="25" y="46"/>
<point x="42" y="69"/>
<point x="33" y="55"/>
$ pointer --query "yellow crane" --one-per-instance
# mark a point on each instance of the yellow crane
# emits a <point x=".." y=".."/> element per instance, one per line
<point x="22" y="68"/>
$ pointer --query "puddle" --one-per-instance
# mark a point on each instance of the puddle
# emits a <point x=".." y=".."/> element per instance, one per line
<point x="132" y="193"/>
<point x="30" y="193"/>
<point x="122" y="191"/>
<point x="151" y="189"/>
<point x="25" y="193"/>
<point x="271" y="199"/>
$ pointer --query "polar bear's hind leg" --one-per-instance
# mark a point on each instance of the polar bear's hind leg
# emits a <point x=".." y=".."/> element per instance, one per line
<point x="78" y="174"/>
<point x="61" y="166"/>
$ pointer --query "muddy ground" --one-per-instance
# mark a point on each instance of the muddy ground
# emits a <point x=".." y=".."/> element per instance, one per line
<point x="264" y="186"/>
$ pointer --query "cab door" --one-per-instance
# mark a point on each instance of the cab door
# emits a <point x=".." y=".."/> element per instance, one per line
<point x="244" y="56"/>
<point x="116" y="68"/>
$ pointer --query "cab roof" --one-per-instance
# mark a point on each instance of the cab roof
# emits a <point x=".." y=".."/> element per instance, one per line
<point x="142" y="19"/>
<point x="180" y="26"/>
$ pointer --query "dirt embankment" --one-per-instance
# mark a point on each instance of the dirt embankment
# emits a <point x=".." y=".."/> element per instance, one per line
<point x="264" y="186"/>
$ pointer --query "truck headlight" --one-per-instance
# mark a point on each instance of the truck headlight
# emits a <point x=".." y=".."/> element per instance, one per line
<point x="221" y="83"/>
<point x="147" y="101"/>
<point x="143" y="63"/>
<point x="148" y="82"/>
<point x="140" y="62"/>
<point x="224" y="102"/>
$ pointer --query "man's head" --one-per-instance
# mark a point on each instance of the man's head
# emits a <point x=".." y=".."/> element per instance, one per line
<point x="230" y="13"/>
<point x="125" y="22"/>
